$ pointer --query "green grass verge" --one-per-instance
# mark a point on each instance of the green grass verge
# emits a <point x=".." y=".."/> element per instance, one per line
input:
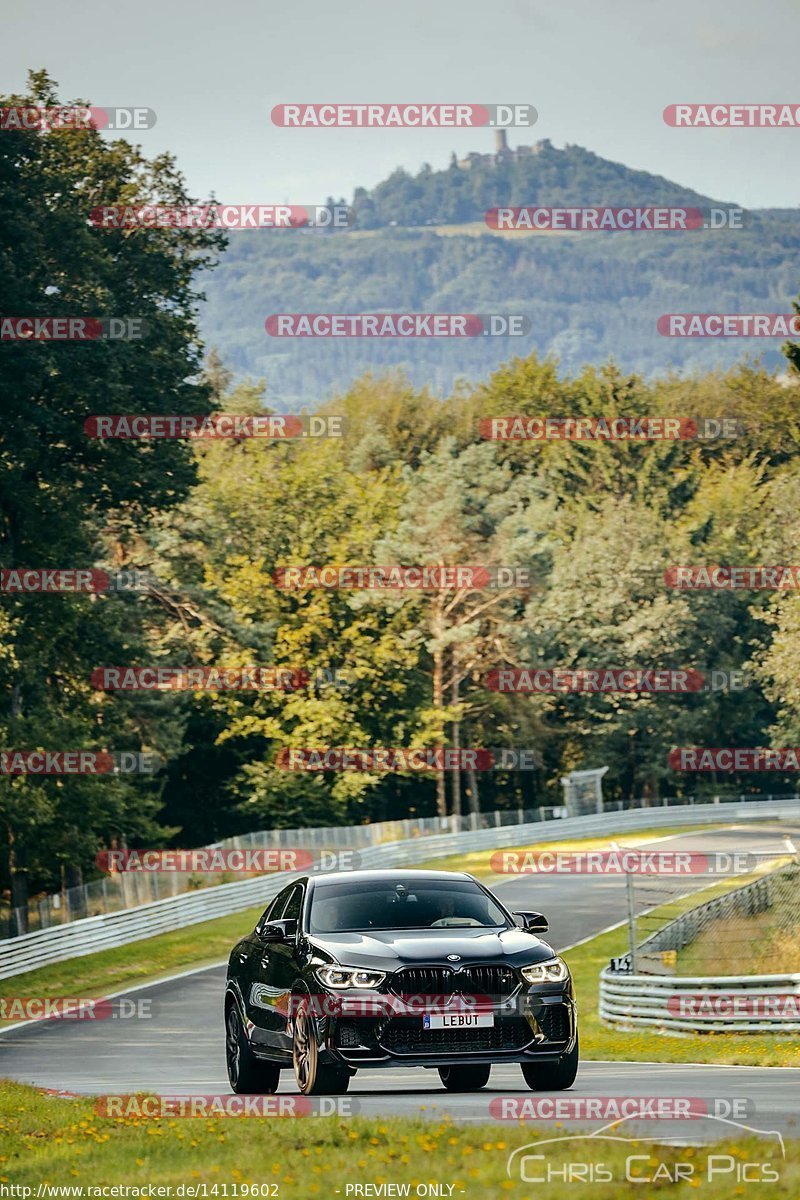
<point x="62" y="1142"/>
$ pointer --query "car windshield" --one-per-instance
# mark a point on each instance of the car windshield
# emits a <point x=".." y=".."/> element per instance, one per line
<point x="350" y="907"/>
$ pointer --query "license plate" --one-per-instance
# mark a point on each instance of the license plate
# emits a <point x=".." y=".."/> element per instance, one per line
<point x="458" y="1021"/>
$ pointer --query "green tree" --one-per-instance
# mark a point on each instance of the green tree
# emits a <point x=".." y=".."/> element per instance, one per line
<point x="67" y="499"/>
<point x="462" y="508"/>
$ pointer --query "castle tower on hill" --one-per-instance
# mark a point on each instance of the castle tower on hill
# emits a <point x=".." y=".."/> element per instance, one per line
<point x="502" y="152"/>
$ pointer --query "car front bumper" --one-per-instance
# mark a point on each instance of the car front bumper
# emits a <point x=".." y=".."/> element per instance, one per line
<point x="539" y="1026"/>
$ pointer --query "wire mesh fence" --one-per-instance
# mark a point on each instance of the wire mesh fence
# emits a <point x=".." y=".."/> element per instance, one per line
<point x="120" y="890"/>
<point x="717" y="924"/>
<point x="124" y="889"/>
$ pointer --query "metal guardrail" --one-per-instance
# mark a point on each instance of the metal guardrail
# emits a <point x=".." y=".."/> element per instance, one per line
<point x="79" y="938"/>
<point x="676" y="1002"/>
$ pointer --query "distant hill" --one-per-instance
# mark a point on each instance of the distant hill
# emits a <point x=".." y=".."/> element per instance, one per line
<point x="538" y="174"/>
<point x="590" y="296"/>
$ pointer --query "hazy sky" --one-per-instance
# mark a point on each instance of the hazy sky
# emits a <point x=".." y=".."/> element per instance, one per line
<point x="599" y="75"/>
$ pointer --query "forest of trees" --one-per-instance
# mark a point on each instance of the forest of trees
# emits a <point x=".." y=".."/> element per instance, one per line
<point x="413" y="482"/>
<point x="589" y="297"/>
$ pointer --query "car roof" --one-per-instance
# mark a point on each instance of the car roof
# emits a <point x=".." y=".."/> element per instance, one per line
<point x="387" y="874"/>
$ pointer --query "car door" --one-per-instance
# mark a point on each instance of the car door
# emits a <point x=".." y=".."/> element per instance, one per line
<point x="256" y="984"/>
<point x="284" y="968"/>
<point x="272" y="972"/>
<point x="241" y="960"/>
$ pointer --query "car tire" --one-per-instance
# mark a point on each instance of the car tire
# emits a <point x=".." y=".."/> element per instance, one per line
<point x="313" y="1077"/>
<point x="247" y="1074"/>
<point x="464" y="1079"/>
<point x="552" y="1077"/>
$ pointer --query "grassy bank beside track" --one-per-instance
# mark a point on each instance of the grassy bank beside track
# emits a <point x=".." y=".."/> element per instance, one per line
<point x="62" y="1141"/>
<point x="141" y="962"/>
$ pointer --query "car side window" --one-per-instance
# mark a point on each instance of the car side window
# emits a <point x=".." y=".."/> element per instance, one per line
<point x="274" y="911"/>
<point x="294" y="905"/>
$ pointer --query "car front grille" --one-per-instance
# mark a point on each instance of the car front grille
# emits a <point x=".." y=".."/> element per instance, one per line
<point x="348" y="1036"/>
<point x="553" y="1020"/>
<point x="405" y="1035"/>
<point x="492" y="979"/>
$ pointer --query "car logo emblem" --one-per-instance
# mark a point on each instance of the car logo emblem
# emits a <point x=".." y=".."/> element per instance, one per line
<point x="454" y="958"/>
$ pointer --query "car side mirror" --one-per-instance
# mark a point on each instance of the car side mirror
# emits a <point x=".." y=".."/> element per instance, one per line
<point x="277" y="931"/>
<point x="533" y="922"/>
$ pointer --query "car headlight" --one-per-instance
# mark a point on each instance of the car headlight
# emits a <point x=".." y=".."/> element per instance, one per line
<point x="350" y="977"/>
<point x="554" y="970"/>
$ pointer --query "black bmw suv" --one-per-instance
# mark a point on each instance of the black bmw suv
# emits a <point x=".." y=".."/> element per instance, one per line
<point x="396" y="969"/>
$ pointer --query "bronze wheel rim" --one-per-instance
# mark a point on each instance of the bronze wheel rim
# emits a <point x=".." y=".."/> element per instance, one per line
<point x="304" y="1051"/>
<point x="233" y="1045"/>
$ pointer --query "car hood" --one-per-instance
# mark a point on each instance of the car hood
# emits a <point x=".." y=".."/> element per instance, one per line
<point x="387" y="950"/>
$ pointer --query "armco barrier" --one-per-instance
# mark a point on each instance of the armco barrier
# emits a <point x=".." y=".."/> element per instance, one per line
<point x="719" y="1003"/>
<point x="79" y="938"/>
